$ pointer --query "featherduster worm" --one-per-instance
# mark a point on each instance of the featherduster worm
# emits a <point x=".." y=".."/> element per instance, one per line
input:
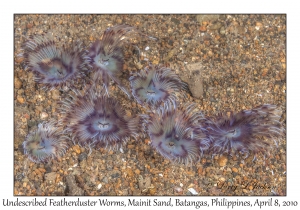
<point x="106" y="55"/>
<point x="54" y="65"/>
<point x="243" y="131"/>
<point x="98" y="120"/>
<point x="175" y="134"/>
<point x="156" y="85"/>
<point x="45" y="143"/>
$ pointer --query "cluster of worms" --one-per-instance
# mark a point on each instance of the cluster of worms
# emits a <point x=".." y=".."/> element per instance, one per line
<point x="93" y="118"/>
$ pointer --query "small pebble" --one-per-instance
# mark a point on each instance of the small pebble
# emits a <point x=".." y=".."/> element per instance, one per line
<point x="55" y="94"/>
<point x="20" y="99"/>
<point x="76" y="149"/>
<point x="202" y="28"/>
<point x="43" y="115"/>
<point x="222" y="161"/>
<point x="129" y="172"/>
<point x="19" y="59"/>
<point x="29" y="25"/>
<point x="147" y="141"/>
<point x="119" y="21"/>
<point x="193" y="191"/>
<point x="24" y="184"/>
<point x="265" y="72"/>
<point x="178" y="189"/>
<point x="50" y="176"/>
<point x="152" y="191"/>
<point x="156" y="61"/>
<point x="234" y="169"/>
<point x="222" y="179"/>
<point x="136" y="192"/>
<point x="130" y="146"/>
<point x="222" y="30"/>
<point x="18" y="83"/>
<point x="200" y="170"/>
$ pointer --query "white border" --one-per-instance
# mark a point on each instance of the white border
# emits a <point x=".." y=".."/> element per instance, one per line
<point x="153" y="6"/>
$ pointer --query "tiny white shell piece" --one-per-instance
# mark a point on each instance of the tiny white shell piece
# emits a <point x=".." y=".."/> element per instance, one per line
<point x="193" y="191"/>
